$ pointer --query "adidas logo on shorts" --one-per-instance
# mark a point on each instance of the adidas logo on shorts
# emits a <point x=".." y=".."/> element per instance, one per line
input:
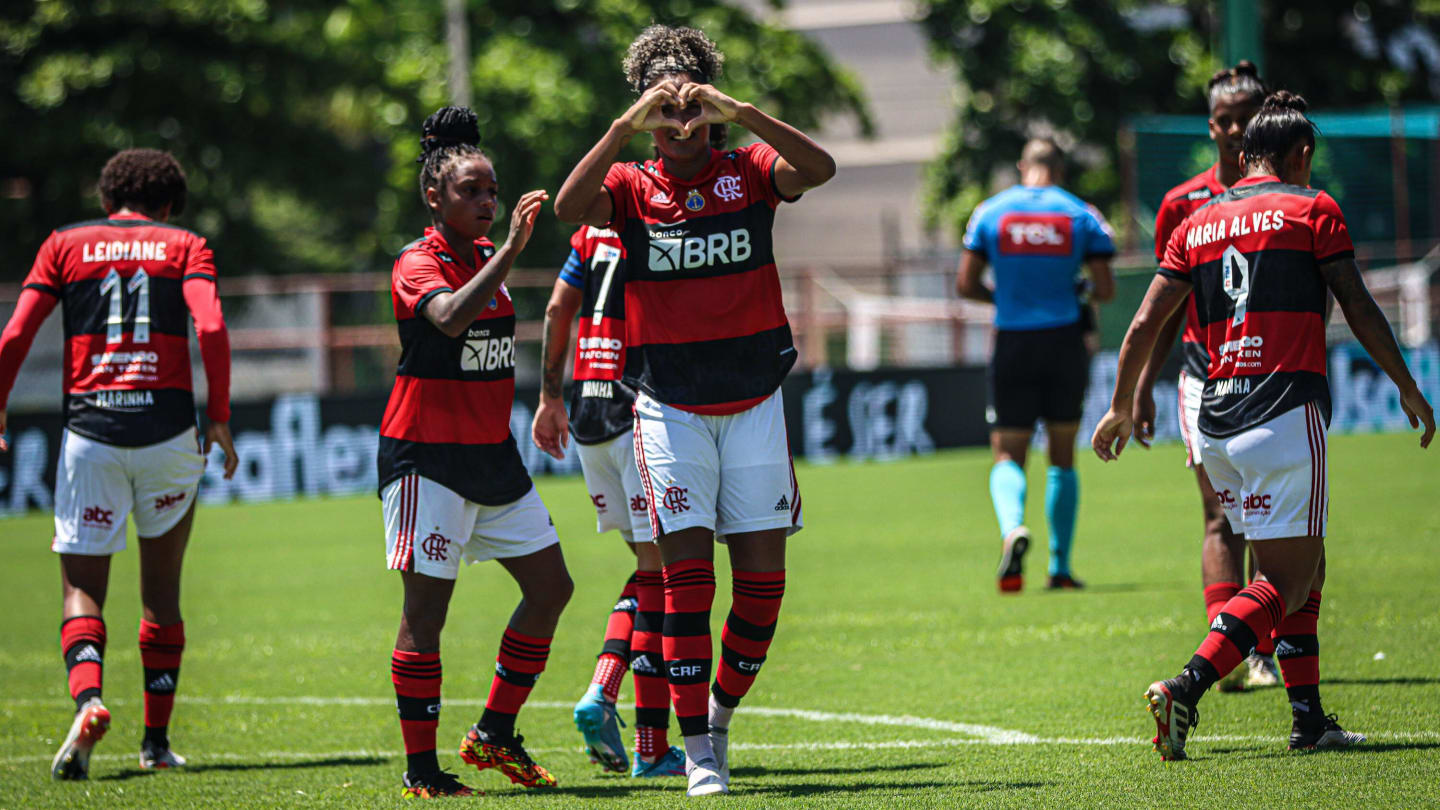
<point x="783" y="505"/>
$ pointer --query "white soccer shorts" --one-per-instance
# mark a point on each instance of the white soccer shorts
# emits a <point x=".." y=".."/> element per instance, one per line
<point x="429" y="528"/>
<point x="613" y="481"/>
<point x="97" y="485"/>
<point x="730" y="473"/>
<point x="1189" y="390"/>
<point x="1272" y="479"/>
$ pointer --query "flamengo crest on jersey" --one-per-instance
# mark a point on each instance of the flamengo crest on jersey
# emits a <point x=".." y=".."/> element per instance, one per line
<point x="705" y="327"/>
<point x="1254" y="255"/>
<point x="448" y="417"/>
<point x="127" y="352"/>
<point x="601" y="406"/>
<point x="1179" y="203"/>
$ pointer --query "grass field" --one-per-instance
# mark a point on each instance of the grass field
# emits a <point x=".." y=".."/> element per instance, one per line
<point x="899" y="677"/>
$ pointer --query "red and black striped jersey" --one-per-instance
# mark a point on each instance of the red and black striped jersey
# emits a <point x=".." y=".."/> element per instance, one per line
<point x="601" y="405"/>
<point x="1254" y="255"/>
<point x="705" y="325"/>
<point x="128" y="285"/>
<point x="1178" y="204"/>
<point x="448" y="418"/>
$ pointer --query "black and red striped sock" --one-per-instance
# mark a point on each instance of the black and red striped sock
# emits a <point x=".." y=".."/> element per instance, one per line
<point x="1297" y="648"/>
<point x="1252" y="613"/>
<point x="82" y="640"/>
<point x="518" y="666"/>
<point x="416" y="677"/>
<point x="614" y="657"/>
<point x="160" y="651"/>
<point x="647" y="667"/>
<point x="754" y="608"/>
<point x="689" y="594"/>
<point x="1216" y="596"/>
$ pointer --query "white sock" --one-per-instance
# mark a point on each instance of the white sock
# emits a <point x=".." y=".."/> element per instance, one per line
<point x="697" y="748"/>
<point x="720" y="715"/>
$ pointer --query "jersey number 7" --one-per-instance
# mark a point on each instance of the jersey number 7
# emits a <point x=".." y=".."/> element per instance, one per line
<point x="608" y="255"/>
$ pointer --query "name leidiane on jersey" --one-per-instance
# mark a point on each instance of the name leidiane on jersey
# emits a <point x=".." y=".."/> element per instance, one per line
<point x="118" y="251"/>
<point x="485" y="353"/>
<point x="672" y="249"/>
<point x="1241" y="225"/>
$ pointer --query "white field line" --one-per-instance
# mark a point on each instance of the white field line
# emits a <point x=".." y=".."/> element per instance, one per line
<point x="975" y="734"/>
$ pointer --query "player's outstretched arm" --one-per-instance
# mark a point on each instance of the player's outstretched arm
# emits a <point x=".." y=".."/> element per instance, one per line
<point x="453" y="312"/>
<point x="582" y="199"/>
<point x="31" y="310"/>
<point x="1162" y="300"/>
<point x="1144" y="409"/>
<point x="550" y="430"/>
<point x="803" y="163"/>
<point x="1373" y="331"/>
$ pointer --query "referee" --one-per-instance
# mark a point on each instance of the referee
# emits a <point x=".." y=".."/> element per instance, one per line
<point x="1036" y="236"/>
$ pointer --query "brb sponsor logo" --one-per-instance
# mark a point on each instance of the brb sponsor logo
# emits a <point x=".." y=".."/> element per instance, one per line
<point x="166" y="501"/>
<point x="98" y="516"/>
<point x="1035" y="234"/>
<point x="671" y="249"/>
<point x="484" y="353"/>
<point x="436" y="547"/>
<point x="676" y="499"/>
<point x="599" y="501"/>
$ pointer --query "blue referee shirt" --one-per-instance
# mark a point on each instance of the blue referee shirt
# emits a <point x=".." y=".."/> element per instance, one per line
<point x="1036" y="238"/>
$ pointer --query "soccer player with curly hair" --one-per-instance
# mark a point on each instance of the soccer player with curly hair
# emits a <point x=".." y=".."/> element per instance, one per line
<point x="128" y="284"/>
<point x="452" y="483"/>
<point x="707" y="344"/>
<point x="1235" y="95"/>
<point x="1257" y="261"/>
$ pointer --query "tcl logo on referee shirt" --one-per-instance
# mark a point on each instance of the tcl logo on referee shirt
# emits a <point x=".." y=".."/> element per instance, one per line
<point x="1035" y="234"/>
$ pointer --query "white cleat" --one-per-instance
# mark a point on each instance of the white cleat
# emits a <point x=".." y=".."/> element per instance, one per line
<point x="1260" y="672"/>
<point x="705" y="779"/>
<point x="156" y="758"/>
<point x="72" y="761"/>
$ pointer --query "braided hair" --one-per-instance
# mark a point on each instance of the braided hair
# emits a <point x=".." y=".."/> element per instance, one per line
<point x="144" y="179"/>
<point x="450" y="133"/>
<point x="1279" y="127"/>
<point x="662" y="50"/>
<point x="1243" y="79"/>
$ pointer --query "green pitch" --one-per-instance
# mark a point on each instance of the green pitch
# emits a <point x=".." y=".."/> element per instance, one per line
<point x="899" y="677"/>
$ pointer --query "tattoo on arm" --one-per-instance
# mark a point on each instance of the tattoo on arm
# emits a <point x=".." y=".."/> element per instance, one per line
<point x="553" y="362"/>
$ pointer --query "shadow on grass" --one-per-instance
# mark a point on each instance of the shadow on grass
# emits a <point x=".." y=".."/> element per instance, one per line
<point x="332" y="762"/>
<point x="807" y="789"/>
<point x="1362" y="748"/>
<point x="1380" y="681"/>
<point x="760" y="770"/>
<point x="672" y="786"/>
<point x="1119" y="587"/>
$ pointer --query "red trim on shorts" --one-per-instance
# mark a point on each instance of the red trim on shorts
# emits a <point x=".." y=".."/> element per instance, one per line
<point x="1190" y="460"/>
<point x="645" y="479"/>
<point x="400" y="558"/>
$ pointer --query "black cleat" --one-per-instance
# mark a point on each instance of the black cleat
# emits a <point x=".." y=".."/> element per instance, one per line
<point x="1325" y="733"/>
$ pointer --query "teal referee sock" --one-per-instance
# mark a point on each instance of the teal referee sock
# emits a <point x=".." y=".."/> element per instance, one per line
<point x="1007" y="492"/>
<point x="1062" y="501"/>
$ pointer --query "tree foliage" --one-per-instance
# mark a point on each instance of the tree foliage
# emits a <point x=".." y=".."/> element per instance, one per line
<point x="297" y="121"/>
<point x="1077" y="69"/>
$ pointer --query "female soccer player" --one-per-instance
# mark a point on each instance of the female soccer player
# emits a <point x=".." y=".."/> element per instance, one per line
<point x="602" y="421"/>
<point x="127" y="283"/>
<point x="707" y="344"/>
<point x="451" y="478"/>
<point x="1235" y="95"/>
<point x="1259" y="259"/>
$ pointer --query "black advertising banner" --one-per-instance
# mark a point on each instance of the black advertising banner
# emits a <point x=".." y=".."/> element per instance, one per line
<point x="304" y="445"/>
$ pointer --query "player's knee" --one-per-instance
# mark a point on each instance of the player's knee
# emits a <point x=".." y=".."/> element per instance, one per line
<point x="552" y="597"/>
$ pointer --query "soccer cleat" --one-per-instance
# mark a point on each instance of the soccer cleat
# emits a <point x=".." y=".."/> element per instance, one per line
<point x="671" y="764"/>
<point x="1326" y="733"/>
<point x="1173" y="719"/>
<point x="1063" y="582"/>
<point x="435" y="785"/>
<point x="705" y="778"/>
<point x="1260" y="671"/>
<point x="1012" y="557"/>
<point x="599" y="723"/>
<point x="1235" y="680"/>
<point x="72" y="761"/>
<point x="154" y="758"/>
<point x="720" y="746"/>
<point x="484" y="750"/>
